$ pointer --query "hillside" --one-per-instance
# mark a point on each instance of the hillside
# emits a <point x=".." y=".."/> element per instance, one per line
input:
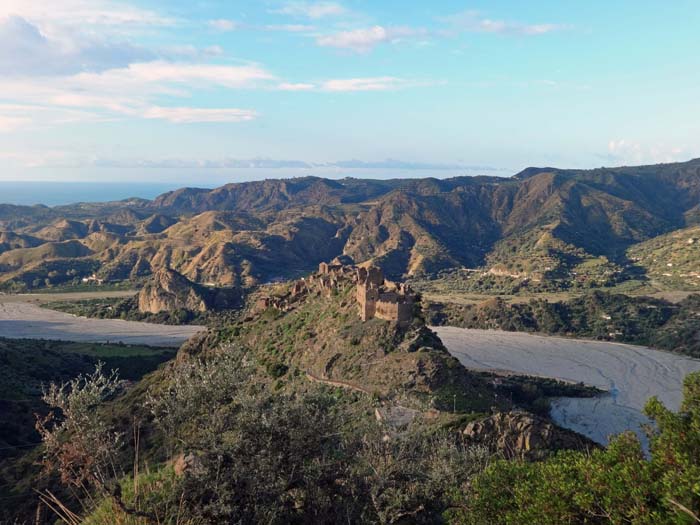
<point x="545" y="229"/>
<point x="312" y="329"/>
<point x="12" y="241"/>
<point x="26" y="367"/>
<point x="299" y="373"/>
<point x="321" y="335"/>
<point x="672" y="259"/>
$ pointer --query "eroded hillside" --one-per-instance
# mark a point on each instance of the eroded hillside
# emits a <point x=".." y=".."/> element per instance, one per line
<point x="543" y="229"/>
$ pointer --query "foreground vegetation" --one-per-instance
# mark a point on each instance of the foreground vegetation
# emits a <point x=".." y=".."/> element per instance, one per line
<point x="242" y="455"/>
<point x="26" y="366"/>
<point x="306" y="414"/>
<point x="616" y="485"/>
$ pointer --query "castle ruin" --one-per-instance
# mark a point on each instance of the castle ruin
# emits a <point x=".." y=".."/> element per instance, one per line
<point x="383" y="299"/>
<point x="376" y="296"/>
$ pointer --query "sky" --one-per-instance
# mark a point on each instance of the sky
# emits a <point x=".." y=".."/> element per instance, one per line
<point x="206" y="92"/>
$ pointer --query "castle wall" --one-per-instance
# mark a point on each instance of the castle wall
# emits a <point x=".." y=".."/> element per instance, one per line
<point x="399" y="311"/>
<point x="376" y="297"/>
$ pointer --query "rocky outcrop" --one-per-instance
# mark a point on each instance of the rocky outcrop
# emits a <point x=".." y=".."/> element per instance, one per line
<point x="170" y="291"/>
<point x="523" y="435"/>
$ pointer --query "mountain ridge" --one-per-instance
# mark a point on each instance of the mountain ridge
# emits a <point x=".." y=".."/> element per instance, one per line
<point x="542" y="224"/>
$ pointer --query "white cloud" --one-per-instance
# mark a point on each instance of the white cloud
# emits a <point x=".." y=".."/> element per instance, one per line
<point x="14" y="117"/>
<point x="26" y="50"/>
<point x="340" y="85"/>
<point x="162" y="72"/>
<point x="473" y="21"/>
<point x="266" y="163"/>
<point x="630" y="152"/>
<point x="313" y="10"/>
<point x="8" y="123"/>
<point x="222" y="24"/>
<point x="299" y="86"/>
<point x="187" y="115"/>
<point x="65" y="61"/>
<point x="133" y="91"/>
<point x="213" y="51"/>
<point x="51" y="14"/>
<point x="290" y="28"/>
<point x="366" y="84"/>
<point x="364" y="40"/>
<point x="35" y="159"/>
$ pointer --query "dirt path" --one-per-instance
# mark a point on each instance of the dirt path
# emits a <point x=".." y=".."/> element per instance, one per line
<point x="331" y="382"/>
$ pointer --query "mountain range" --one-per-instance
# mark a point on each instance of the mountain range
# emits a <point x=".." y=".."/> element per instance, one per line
<point x="543" y="225"/>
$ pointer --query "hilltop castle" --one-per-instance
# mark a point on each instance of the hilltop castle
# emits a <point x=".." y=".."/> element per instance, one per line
<point x="376" y="296"/>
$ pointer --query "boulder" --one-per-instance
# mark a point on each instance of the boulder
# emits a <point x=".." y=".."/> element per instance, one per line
<point x="523" y="435"/>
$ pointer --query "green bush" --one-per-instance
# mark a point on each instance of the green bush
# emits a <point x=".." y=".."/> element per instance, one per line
<point x="618" y="485"/>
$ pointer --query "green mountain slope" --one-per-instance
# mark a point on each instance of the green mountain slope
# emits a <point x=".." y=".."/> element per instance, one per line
<point x="672" y="259"/>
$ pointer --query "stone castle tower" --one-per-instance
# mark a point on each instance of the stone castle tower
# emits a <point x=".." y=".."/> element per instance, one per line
<point x="368" y="282"/>
<point x="379" y="298"/>
<point x="376" y="297"/>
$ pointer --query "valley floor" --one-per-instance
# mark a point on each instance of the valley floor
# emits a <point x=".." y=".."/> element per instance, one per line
<point x="630" y="374"/>
<point x="42" y="298"/>
<point x="22" y="318"/>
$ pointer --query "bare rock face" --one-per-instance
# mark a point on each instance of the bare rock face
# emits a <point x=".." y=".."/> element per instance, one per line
<point x="523" y="435"/>
<point x="170" y="291"/>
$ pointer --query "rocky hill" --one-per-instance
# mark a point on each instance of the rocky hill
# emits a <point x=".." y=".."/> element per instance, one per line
<point x="169" y="291"/>
<point x="312" y="330"/>
<point x="523" y="436"/>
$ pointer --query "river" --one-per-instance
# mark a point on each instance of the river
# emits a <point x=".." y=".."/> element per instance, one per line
<point x="21" y="318"/>
<point x="629" y="374"/>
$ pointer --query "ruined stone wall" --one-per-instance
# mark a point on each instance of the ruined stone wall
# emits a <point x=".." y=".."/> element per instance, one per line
<point x="376" y="297"/>
<point x="387" y="311"/>
<point x="400" y="311"/>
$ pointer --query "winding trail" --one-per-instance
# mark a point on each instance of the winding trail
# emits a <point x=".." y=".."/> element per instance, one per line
<point x="336" y="382"/>
<point x="630" y="374"/>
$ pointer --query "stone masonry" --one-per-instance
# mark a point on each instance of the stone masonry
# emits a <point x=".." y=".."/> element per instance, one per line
<point x="383" y="299"/>
<point x="376" y="296"/>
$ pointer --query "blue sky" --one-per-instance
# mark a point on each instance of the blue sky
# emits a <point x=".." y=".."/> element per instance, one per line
<point x="207" y="92"/>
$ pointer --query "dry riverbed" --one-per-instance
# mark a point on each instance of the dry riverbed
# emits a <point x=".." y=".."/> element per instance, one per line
<point x="630" y="374"/>
<point x="21" y="317"/>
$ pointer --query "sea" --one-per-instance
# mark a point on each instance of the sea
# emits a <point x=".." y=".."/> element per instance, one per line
<point x="60" y="193"/>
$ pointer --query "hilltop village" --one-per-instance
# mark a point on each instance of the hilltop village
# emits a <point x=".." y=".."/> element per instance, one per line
<point x="377" y="297"/>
